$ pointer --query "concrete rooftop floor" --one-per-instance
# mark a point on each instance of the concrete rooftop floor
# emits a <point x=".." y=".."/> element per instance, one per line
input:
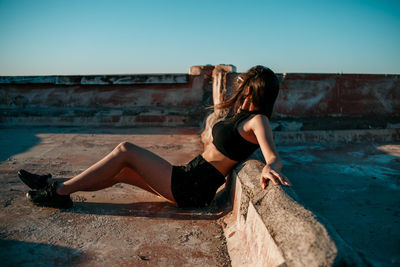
<point x="122" y="225"/>
<point x="355" y="186"/>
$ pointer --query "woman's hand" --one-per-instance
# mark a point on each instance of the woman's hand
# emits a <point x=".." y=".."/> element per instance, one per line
<point x="268" y="173"/>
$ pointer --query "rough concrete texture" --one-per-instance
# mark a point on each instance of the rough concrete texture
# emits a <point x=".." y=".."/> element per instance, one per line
<point x="346" y="210"/>
<point x="329" y="101"/>
<point x="305" y="102"/>
<point x="131" y="100"/>
<point x="299" y="239"/>
<point x="249" y="242"/>
<point x="334" y="95"/>
<point x="119" y="226"/>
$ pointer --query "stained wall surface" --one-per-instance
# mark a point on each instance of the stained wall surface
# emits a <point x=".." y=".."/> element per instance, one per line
<point x="306" y="101"/>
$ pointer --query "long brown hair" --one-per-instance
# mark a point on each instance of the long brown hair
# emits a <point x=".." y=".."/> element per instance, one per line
<point x="263" y="86"/>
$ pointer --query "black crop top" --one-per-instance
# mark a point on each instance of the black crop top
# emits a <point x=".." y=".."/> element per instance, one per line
<point x="229" y="142"/>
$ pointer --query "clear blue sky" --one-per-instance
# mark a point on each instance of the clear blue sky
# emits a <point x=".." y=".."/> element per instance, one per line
<point x="40" y="37"/>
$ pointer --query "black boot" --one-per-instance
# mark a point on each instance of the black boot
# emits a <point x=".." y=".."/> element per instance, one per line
<point x="48" y="197"/>
<point x="34" y="181"/>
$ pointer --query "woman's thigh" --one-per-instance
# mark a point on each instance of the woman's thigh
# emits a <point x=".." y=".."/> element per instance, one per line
<point x="129" y="176"/>
<point x="154" y="170"/>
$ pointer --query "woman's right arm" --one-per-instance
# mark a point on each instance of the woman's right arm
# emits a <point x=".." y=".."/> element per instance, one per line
<point x="272" y="170"/>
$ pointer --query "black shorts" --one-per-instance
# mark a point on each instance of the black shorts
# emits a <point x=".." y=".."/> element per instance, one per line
<point x="195" y="185"/>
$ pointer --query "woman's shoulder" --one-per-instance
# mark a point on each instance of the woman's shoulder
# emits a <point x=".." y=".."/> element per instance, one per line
<point x="259" y="117"/>
<point x="258" y="120"/>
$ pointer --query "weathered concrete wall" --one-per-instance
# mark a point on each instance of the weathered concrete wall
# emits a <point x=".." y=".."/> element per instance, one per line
<point x="305" y="102"/>
<point x="271" y="228"/>
<point x="336" y="95"/>
<point x="129" y="100"/>
<point x="339" y="95"/>
<point x="332" y="101"/>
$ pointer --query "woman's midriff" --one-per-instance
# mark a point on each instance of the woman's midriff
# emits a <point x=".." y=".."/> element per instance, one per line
<point x="217" y="159"/>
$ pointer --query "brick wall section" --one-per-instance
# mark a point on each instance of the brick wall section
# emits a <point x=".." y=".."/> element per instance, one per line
<point x="305" y="102"/>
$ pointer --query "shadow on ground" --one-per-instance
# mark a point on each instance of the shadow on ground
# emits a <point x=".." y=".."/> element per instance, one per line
<point x="357" y="188"/>
<point x="218" y="208"/>
<point x="22" y="253"/>
<point x="16" y="142"/>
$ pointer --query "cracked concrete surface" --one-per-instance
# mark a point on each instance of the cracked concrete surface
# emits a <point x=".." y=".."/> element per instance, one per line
<point x="122" y="225"/>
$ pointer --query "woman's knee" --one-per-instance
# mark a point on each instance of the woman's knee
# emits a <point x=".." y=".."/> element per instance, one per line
<point x="124" y="148"/>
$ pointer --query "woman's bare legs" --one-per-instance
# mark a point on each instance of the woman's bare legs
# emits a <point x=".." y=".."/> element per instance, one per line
<point x="127" y="163"/>
<point x="126" y="175"/>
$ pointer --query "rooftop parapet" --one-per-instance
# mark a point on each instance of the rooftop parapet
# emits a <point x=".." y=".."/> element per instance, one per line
<point x="305" y="102"/>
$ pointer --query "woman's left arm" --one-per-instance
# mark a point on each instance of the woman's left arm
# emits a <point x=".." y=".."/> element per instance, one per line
<point x="272" y="170"/>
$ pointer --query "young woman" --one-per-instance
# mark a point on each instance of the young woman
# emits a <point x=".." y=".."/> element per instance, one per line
<point x="234" y="139"/>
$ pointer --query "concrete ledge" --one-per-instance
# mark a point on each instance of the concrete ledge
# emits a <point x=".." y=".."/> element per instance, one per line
<point x="108" y="100"/>
<point x="97" y="79"/>
<point x="100" y="117"/>
<point x="337" y="136"/>
<point x="305" y="102"/>
<point x="271" y="228"/>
